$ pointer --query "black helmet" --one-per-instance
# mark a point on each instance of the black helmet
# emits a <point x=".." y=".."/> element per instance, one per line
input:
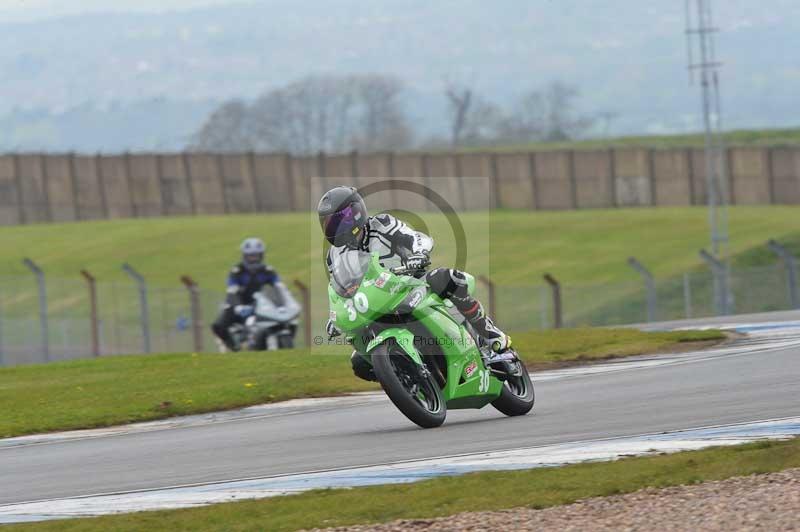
<point x="343" y="216"/>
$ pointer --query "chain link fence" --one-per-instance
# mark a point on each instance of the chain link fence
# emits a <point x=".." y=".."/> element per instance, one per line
<point x="62" y="328"/>
<point x="691" y="295"/>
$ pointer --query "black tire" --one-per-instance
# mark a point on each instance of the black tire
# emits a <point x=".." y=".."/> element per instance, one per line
<point x="260" y="341"/>
<point x="392" y="368"/>
<point x="517" y="397"/>
<point x="285" y="341"/>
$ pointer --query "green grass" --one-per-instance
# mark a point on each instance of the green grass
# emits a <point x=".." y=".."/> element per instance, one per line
<point x="742" y="137"/>
<point x="585" y="246"/>
<point x="760" y="256"/>
<point x="585" y="249"/>
<point x="537" y="488"/>
<point x="542" y="349"/>
<point x="122" y="389"/>
<point x="758" y="283"/>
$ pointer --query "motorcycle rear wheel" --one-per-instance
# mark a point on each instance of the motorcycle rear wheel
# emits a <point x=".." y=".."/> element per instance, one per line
<point x="416" y="396"/>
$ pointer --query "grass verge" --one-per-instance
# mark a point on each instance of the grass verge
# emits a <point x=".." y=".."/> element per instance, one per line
<point x="738" y="137"/>
<point x="537" y="488"/>
<point x="524" y="245"/>
<point x="124" y="389"/>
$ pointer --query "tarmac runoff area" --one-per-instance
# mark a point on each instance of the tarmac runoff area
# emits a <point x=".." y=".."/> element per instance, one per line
<point x="780" y="338"/>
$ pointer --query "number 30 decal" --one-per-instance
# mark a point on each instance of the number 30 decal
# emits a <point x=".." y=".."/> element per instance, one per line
<point x="359" y="303"/>
<point x="362" y="304"/>
<point x="483" y="385"/>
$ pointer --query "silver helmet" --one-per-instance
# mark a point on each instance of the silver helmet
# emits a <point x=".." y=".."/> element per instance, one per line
<point x="252" y="253"/>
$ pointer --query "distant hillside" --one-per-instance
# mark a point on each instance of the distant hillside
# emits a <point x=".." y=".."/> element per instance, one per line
<point x="626" y="56"/>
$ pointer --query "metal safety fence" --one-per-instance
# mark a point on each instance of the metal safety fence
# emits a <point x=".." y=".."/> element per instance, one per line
<point x="691" y="295"/>
<point x="47" y="318"/>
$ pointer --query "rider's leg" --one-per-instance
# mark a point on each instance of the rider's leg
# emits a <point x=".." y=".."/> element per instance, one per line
<point x="361" y="367"/>
<point x="221" y="327"/>
<point x="452" y="284"/>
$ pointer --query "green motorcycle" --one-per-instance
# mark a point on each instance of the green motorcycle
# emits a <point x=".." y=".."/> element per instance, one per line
<point x="424" y="354"/>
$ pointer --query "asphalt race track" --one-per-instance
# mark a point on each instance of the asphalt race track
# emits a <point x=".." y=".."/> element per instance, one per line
<point x="757" y="380"/>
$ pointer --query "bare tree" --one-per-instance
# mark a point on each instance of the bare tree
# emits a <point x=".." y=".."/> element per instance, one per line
<point x="473" y="120"/>
<point x="225" y="130"/>
<point x="459" y="101"/>
<point x="365" y="112"/>
<point x="526" y="122"/>
<point x="383" y="122"/>
<point x="307" y="116"/>
<point x="547" y="114"/>
<point x="317" y="113"/>
<point x="562" y="122"/>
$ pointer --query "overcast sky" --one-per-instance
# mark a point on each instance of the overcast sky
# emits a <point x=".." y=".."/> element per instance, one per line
<point x="13" y="10"/>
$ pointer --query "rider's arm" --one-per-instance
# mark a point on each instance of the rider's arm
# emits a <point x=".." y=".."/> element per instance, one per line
<point x="329" y="261"/>
<point x="272" y="278"/>
<point x="233" y="290"/>
<point x="405" y="240"/>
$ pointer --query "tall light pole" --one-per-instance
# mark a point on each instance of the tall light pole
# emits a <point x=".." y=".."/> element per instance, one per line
<point x="700" y="33"/>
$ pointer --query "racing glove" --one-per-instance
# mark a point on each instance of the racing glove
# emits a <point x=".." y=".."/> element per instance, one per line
<point x="243" y="311"/>
<point x="332" y="330"/>
<point x="417" y="261"/>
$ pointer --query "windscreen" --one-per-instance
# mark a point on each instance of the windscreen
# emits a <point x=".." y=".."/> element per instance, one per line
<point x="348" y="270"/>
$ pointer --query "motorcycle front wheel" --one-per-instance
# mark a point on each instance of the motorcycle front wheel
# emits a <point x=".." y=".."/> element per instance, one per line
<point x="417" y="396"/>
<point x="285" y="341"/>
<point x="259" y="342"/>
<point x="517" y="397"/>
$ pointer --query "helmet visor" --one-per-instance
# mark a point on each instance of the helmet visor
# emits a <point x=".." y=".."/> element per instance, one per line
<point x="341" y="227"/>
<point x="253" y="258"/>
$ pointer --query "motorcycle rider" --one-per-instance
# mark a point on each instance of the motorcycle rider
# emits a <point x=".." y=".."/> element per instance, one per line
<point x="245" y="279"/>
<point x="347" y="226"/>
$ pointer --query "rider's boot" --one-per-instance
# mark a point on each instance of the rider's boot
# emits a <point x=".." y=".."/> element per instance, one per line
<point x="224" y="338"/>
<point x="497" y="340"/>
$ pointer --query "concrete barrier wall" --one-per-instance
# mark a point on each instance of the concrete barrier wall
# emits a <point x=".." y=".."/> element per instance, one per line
<point x="176" y="193"/>
<point x="55" y="188"/>
<point x="115" y="180"/>
<point x="410" y="168"/>
<point x="515" y="185"/>
<point x="31" y="179"/>
<point x="443" y="180"/>
<point x="555" y="180"/>
<point x="697" y="169"/>
<point x="372" y="173"/>
<point x="476" y="170"/>
<point x="10" y="204"/>
<point x="274" y="181"/>
<point x="634" y="184"/>
<point x="238" y="183"/>
<point x="206" y="184"/>
<point x="89" y="192"/>
<point x="785" y="174"/>
<point x="672" y="177"/>
<point x="145" y="187"/>
<point x="60" y="185"/>
<point x="305" y="174"/>
<point x="749" y="176"/>
<point x="594" y="181"/>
